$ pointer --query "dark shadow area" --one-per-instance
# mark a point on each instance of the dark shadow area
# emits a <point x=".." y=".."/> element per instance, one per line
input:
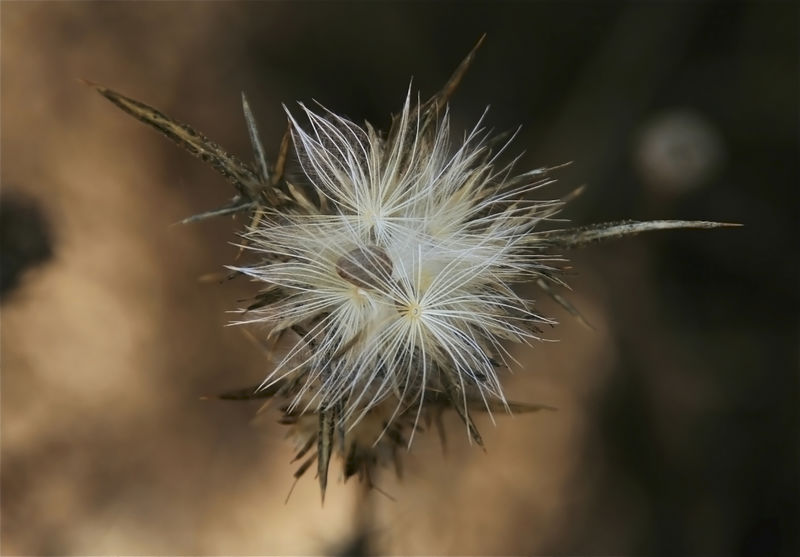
<point x="25" y="239"/>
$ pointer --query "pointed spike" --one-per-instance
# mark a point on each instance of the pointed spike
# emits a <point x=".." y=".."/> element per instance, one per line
<point x="513" y="407"/>
<point x="443" y="96"/>
<point x="257" y="214"/>
<point x="300" y="198"/>
<point x="263" y="299"/>
<point x="574" y="194"/>
<point x="255" y="141"/>
<point x="304" y="449"/>
<point x="291" y="490"/>
<point x="324" y="449"/>
<point x="305" y="466"/>
<point x="298" y="474"/>
<point x="340" y="430"/>
<point x="222" y="211"/>
<point x="371" y="485"/>
<point x="283" y="155"/>
<point x="236" y="172"/>
<point x="251" y="393"/>
<point x="580" y="237"/>
<point x="563" y="302"/>
<point x="351" y="462"/>
<point x="462" y="411"/>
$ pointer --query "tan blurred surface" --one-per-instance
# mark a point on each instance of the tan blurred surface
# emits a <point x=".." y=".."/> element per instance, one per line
<point x="106" y="447"/>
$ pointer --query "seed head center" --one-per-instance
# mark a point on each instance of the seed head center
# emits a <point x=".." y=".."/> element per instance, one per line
<point x="412" y="311"/>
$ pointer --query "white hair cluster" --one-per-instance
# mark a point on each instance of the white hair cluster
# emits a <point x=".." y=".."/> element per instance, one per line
<point x="401" y="275"/>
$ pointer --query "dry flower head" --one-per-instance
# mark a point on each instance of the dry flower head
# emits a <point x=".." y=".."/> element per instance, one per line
<point x="391" y="269"/>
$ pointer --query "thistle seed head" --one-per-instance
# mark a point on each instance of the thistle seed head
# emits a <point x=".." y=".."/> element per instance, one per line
<point x="392" y="267"/>
<point x="405" y="281"/>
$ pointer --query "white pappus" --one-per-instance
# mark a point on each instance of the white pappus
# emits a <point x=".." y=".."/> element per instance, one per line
<point x="403" y="272"/>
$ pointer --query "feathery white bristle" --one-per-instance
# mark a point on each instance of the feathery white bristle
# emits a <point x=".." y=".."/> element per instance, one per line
<point x="406" y="281"/>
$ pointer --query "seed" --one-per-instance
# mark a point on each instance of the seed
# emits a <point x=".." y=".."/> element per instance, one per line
<point x="366" y="267"/>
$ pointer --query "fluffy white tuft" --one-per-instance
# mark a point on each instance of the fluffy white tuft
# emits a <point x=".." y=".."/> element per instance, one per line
<point x="398" y="283"/>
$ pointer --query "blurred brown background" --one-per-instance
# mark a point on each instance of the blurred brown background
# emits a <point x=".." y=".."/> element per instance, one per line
<point x="677" y="425"/>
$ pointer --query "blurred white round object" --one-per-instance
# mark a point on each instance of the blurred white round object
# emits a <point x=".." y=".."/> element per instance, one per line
<point x="678" y="151"/>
